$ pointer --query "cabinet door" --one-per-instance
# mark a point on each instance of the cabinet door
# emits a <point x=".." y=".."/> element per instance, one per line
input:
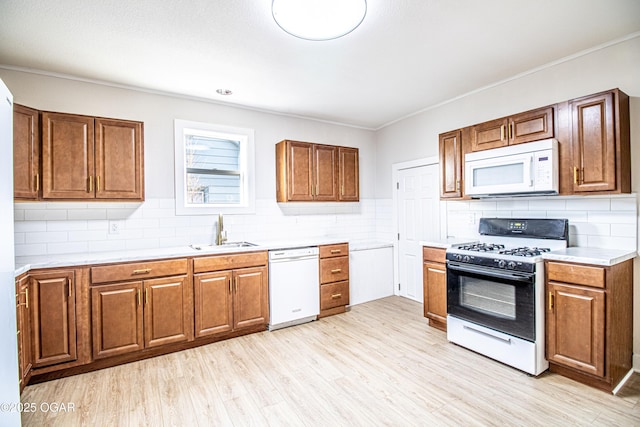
<point x="213" y="308"/>
<point x="300" y="176"/>
<point x="491" y="134"/>
<point x="166" y="311"/>
<point x="451" y="164"/>
<point x="116" y="318"/>
<point x="349" y="174"/>
<point x="593" y="143"/>
<point x="250" y="297"/>
<point x="576" y="327"/>
<point x="24" y="329"/>
<point x="67" y="156"/>
<point x="325" y="173"/>
<point x="119" y="159"/>
<point x="531" y="126"/>
<point x="53" y="318"/>
<point x="435" y="293"/>
<point x="26" y="152"/>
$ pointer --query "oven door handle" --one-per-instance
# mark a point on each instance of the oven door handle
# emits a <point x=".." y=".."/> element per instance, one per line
<point x="503" y="275"/>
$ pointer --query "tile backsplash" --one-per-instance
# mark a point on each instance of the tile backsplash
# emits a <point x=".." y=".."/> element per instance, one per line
<point x="68" y="227"/>
<point x="609" y="222"/>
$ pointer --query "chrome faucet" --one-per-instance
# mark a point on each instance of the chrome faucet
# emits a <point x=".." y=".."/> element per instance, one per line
<point x="221" y="235"/>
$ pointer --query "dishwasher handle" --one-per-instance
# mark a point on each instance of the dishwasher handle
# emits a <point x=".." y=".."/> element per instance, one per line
<point x="287" y="255"/>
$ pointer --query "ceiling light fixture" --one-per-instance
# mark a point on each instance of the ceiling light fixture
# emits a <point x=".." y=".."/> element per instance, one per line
<point x="318" y="19"/>
<point x="224" y="92"/>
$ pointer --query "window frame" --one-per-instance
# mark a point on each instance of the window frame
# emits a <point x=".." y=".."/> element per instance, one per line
<point x="247" y="167"/>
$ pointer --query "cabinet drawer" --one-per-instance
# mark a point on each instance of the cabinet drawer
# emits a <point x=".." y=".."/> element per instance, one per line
<point x="434" y="254"/>
<point x="229" y="262"/>
<point x="334" y="295"/>
<point x="578" y="274"/>
<point x="138" y="270"/>
<point x="329" y="251"/>
<point x="334" y="269"/>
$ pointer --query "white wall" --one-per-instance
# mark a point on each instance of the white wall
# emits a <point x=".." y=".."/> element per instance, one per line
<point x="615" y="66"/>
<point x="9" y="391"/>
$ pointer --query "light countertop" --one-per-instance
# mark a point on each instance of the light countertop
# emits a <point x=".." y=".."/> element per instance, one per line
<point x="596" y="256"/>
<point x="448" y="242"/>
<point x="26" y="263"/>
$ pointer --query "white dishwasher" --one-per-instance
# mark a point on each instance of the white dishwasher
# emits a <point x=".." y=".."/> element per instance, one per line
<point x="294" y="286"/>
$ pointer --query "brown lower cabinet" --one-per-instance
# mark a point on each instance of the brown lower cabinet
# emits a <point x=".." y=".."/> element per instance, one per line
<point x="334" y="279"/>
<point x="52" y="302"/>
<point x="24" y="330"/>
<point x="590" y="321"/>
<point x="434" y="282"/>
<point x="227" y="299"/>
<point x="131" y="316"/>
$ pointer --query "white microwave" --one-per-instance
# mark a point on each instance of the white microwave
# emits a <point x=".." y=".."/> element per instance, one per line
<point x="518" y="170"/>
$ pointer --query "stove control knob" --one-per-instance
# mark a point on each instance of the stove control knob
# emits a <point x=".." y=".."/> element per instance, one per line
<point x="511" y="265"/>
<point x="458" y="257"/>
<point x="466" y="258"/>
<point x="502" y="263"/>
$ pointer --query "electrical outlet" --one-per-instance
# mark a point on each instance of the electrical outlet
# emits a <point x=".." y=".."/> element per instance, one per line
<point x="114" y="227"/>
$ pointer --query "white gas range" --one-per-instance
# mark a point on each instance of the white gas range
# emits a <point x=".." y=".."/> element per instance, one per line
<point x="495" y="290"/>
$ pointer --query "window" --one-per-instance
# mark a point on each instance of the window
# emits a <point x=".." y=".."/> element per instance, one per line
<point x="214" y="169"/>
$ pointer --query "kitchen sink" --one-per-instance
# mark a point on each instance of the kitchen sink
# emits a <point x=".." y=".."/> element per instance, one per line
<point x="224" y="245"/>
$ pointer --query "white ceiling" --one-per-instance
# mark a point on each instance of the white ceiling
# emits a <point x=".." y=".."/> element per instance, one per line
<point x="406" y="56"/>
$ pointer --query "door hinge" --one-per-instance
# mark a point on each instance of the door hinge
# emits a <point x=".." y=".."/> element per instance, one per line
<point x="397" y="185"/>
<point x="399" y="287"/>
<point x="398" y="236"/>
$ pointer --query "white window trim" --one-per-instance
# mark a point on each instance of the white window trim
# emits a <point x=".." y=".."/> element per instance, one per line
<point x="246" y="137"/>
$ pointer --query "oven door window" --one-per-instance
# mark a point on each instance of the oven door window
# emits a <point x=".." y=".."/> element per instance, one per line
<point x="499" y="299"/>
<point x="489" y="297"/>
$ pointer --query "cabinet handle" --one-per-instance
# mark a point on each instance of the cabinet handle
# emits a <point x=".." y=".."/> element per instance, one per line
<point x="342" y="190"/>
<point x="335" y="251"/>
<point x="336" y="296"/>
<point x="90" y="184"/>
<point x="70" y="288"/>
<point x="550" y="301"/>
<point x="37" y="182"/>
<point x="98" y="183"/>
<point x="138" y="296"/>
<point x="502" y="133"/>
<point x="337" y="270"/>
<point x="236" y="285"/>
<point x="230" y="290"/>
<point x="26" y="298"/>
<point x="142" y="271"/>
<point x="510" y="130"/>
<point x="457" y="184"/>
<point x="146" y="296"/>
<point x="575" y="175"/>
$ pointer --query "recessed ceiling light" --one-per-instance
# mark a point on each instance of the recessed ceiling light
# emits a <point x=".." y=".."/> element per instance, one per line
<point x="224" y="92"/>
<point x="318" y="19"/>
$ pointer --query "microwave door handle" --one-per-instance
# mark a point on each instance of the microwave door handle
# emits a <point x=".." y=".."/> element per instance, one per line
<point x="531" y="170"/>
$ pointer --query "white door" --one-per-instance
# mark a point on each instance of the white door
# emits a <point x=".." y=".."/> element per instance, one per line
<point x="418" y="219"/>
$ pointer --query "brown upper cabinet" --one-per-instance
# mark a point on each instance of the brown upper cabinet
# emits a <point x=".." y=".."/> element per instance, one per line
<point x="349" y="174"/>
<point x="600" y="159"/>
<point x="451" y="164"/>
<point x="313" y="172"/>
<point x="91" y="158"/>
<point x="26" y="152"/>
<point x="520" y="128"/>
<point x="60" y="156"/>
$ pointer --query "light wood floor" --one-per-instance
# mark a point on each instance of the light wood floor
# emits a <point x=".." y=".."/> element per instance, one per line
<point x="378" y="364"/>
